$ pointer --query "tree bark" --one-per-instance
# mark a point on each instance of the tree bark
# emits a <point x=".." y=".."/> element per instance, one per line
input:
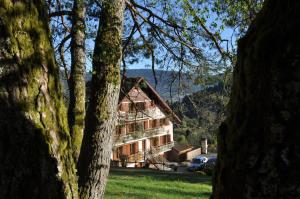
<point x="258" y="146"/>
<point x="94" y="158"/>
<point x="35" y="154"/>
<point x="76" y="111"/>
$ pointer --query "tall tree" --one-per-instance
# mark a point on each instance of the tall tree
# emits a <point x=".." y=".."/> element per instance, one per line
<point x="259" y="153"/>
<point x="35" y="153"/>
<point x="94" y="159"/>
<point x="76" y="111"/>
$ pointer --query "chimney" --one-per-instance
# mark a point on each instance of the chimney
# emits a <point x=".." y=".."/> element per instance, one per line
<point x="204" y="146"/>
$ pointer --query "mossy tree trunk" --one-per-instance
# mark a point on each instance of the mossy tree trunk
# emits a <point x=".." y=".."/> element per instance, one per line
<point x="35" y="153"/>
<point x="76" y="111"/>
<point x="259" y="150"/>
<point x="94" y="159"/>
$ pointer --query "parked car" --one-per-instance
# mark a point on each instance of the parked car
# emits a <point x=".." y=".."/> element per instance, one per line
<point x="197" y="163"/>
<point x="209" y="166"/>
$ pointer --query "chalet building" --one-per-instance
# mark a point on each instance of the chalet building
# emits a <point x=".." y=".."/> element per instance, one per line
<point x="145" y="123"/>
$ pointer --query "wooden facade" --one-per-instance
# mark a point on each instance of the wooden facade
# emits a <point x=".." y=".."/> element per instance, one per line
<point x="145" y="123"/>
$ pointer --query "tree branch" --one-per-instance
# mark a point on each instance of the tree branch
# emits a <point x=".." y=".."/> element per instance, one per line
<point x="61" y="13"/>
<point x="62" y="57"/>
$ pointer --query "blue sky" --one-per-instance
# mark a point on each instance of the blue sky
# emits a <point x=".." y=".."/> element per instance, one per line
<point x="143" y="63"/>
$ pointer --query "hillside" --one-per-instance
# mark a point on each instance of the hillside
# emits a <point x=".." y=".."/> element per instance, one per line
<point x="202" y="112"/>
<point x="164" y="79"/>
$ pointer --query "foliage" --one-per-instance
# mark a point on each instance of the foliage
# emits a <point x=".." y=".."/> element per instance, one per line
<point x="202" y="113"/>
<point x="191" y="36"/>
<point x="181" y="139"/>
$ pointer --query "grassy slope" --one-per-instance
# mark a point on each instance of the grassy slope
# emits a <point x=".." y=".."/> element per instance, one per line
<point x="148" y="184"/>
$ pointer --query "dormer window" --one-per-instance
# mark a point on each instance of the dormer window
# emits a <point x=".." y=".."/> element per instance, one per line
<point x="137" y="106"/>
<point x="140" y="106"/>
<point x="124" y="107"/>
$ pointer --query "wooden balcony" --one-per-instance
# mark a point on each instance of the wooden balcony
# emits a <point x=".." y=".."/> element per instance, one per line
<point x="138" y="157"/>
<point x="137" y="115"/>
<point x="159" y="149"/>
<point x="124" y="138"/>
<point x="149" y="154"/>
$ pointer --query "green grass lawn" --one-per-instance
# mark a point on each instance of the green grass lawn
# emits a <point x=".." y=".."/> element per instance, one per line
<point x="148" y="184"/>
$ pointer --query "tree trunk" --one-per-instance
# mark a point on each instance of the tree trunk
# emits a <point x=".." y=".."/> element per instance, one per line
<point x="94" y="159"/>
<point x="76" y="111"/>
<point x="35" y="154"/>
<point x="259" y="151"/>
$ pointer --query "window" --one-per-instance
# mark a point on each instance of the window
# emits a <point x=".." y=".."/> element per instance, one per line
<point x="130" y="128"/>
<point x="163" y="139"/>
<point x="137" y="106"/>
<point x="132" y="148"/>
<point x="139" y="126"/>
<point x="150" y="124"/>
<point x="119" y="151"/>
<point x="140" y="106"/>
<point x="120" y="129"/>
<point x="154" y="142"/>
<point x="168" y="138"/>
<point x="124" y="106"/>
<point x="146" y="125"/>
<point x="155" y="123"/>
<point x="144" y="145"/>
<point x="132" y="107"/>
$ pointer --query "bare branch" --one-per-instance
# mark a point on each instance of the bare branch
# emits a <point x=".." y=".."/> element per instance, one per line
<point x="210" y="34"/>
<point x="61" y="13"/>
<point x="150" y="48"/>
<point x="62" y="57"/>
<point x="154" y="26"/>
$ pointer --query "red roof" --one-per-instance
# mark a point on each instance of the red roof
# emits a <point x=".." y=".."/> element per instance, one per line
<point x="182" y="148"/>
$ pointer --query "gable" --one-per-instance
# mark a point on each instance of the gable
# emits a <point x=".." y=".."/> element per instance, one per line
<point x="139" y="90"/>
<point x="136" y="94"/>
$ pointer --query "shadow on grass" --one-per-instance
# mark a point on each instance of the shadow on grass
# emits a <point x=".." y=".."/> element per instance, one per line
<point x="162" y="175"/>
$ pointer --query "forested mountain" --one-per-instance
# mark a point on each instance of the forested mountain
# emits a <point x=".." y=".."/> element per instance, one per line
<point x="164" y="80"/>
<point x="201" y="113"/>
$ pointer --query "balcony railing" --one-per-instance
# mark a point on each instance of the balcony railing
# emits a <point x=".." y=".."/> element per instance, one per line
<point x="141" y="114"/>
<point x="123" y="138"/>
<point x="149" y="154"/>
<point x="135" y="157"/>
<point x="162" y="148"/>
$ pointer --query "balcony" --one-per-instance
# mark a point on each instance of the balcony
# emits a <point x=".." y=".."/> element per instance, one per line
<point x="123" y="138"/>
<point x="149" y="154"/>
<point x="137" y="115"/>
<point x="135" y="157"/>
<point x="152" y="153"/>
<point x="162" y="148"/>
<point x="130" y="116"/>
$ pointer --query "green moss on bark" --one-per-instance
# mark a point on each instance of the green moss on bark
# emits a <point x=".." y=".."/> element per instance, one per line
<point x="30" y="79"/>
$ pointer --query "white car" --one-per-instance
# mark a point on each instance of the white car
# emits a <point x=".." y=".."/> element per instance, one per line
<point x="197" y="163"/>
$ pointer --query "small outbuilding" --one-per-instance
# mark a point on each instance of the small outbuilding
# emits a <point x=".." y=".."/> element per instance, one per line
<point x="179" y="152"/>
